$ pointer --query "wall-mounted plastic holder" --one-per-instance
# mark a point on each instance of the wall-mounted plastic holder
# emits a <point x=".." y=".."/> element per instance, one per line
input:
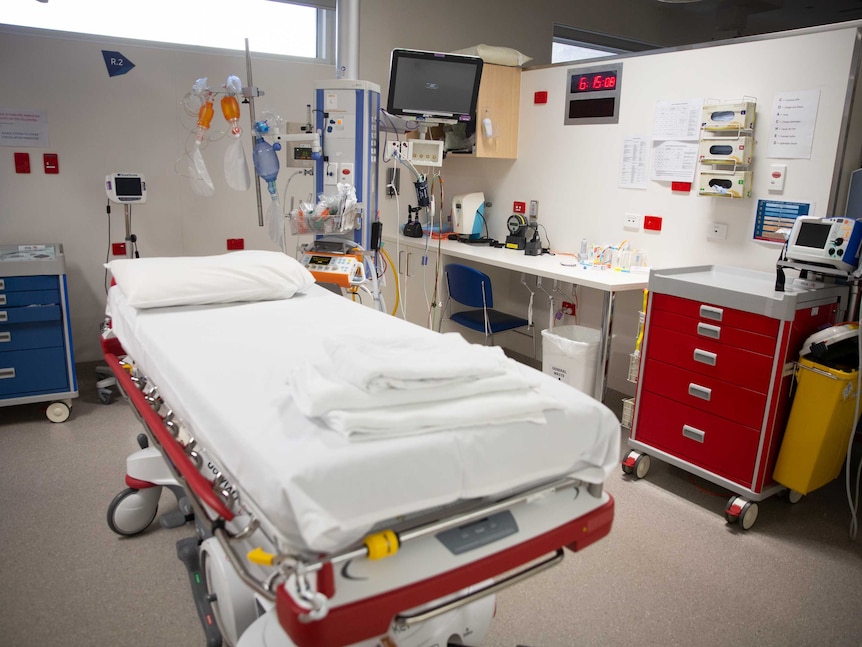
<point x="726" y="151"/>
<point x="729" y="116"/>
<point x="735" y="184"/>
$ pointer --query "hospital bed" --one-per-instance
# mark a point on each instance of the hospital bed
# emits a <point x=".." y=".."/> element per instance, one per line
<point x="311" y="536"/>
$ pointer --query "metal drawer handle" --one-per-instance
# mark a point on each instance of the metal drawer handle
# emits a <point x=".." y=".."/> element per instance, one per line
<point x="2" y="284"/>
<point x="5" y="336"/>
<point x="711" y="312"/>
<point x="2" y="299"/>
<point x="705" y="357"/>
<point x="708" y="330"/>
<point x="693" y="433"/>
<point x="4" y="316"/>
<point x="699" y="391"/>
<point x="7" y="373"/>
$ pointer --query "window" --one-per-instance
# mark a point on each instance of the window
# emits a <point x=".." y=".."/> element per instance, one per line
<point x="571" y="44"/>
<point x="301" y="31"/>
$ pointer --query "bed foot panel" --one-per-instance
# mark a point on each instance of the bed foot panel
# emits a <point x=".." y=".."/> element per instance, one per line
<point x="372" y="616"/>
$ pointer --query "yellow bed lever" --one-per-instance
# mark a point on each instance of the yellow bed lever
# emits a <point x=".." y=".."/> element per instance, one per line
<point x="382" y="544"/>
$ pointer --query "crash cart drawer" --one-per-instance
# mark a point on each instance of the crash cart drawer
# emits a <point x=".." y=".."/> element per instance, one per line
<point x="36" y="359"/>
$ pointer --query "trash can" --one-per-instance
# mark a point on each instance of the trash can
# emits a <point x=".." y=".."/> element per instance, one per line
<point x="571" y="354"/>
<point x="821" y="420"/>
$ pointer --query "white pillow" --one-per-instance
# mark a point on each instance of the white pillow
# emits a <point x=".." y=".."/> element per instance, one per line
<point x="248" y="275"/>
<point x="496" y="55"/>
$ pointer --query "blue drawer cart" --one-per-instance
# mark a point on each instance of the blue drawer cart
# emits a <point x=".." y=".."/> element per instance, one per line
<point x="36" y="359"/>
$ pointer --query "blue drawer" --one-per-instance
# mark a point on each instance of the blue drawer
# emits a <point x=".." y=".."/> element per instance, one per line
<point x="23" y="283"/>
<point x="29" y="315"/>
<point x="33" y="372"/>
<point x="42" y="334"/>
<point x="29" y="298"/>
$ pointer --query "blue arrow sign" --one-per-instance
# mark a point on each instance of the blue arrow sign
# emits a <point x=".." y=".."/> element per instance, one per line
<point x="116" y="63"/>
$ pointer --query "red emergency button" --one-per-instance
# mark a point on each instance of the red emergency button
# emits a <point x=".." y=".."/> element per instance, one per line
<point x="776" y="174"/>
<point x="345" y="171"/>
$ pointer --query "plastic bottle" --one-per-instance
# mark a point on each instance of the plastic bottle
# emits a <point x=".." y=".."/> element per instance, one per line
<point x="205" y="117"/>
<point x="230" y="110"/>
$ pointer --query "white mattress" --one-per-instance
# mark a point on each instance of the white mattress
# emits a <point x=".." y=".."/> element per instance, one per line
<point x="223" y="369"/>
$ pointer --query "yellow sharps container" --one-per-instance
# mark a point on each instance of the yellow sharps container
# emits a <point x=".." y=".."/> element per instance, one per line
<point x="818" y="428"/>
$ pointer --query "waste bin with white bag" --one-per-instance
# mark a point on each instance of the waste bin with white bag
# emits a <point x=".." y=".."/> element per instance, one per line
<point x="571" y="354"/>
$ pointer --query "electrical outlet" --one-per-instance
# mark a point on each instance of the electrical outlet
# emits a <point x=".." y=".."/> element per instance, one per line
<point x="717" y="231"/>
<point x="632" y="222"/>
<point x="397" y="148"/>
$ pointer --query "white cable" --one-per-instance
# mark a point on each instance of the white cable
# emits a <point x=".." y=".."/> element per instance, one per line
<point x="401" y="295"/>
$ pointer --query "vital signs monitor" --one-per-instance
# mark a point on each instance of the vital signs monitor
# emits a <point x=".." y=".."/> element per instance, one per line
<point x="124" y="188"/>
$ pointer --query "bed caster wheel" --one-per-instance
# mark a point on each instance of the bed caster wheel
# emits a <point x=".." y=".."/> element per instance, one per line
<point x="106" y="396"/>
<point x="637" y="464"/>
<point x="739" y="510"/>
<point x="132" y="511"/>
<point x="58" y="411"/>
<point x="794" y="497"/>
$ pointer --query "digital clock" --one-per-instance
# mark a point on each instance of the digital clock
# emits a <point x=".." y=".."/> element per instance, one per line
<point x="594" y="82"/>
<point x="593" y="94"/>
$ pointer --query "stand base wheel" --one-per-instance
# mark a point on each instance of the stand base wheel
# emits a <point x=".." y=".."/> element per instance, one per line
<point x="742" y="511"/>
<point x="132" y="511"/>
<point x="636" y="463"/>
<point x="58" y="411"/>
<point x="794" y="497"/>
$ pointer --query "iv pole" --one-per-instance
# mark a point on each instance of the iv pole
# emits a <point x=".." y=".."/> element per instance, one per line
<point x="250" y="92"/>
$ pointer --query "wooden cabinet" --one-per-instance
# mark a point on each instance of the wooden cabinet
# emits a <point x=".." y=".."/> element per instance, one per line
<point x="36" y="362"/>
<point x="715" y="378"/>
<point x="499" y="101"/>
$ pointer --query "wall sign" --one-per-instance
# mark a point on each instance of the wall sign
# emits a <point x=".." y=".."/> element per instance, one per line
<point x="116" y="63"/>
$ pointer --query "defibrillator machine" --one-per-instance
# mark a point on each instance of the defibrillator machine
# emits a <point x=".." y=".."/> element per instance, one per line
<point x="825" y="242"/>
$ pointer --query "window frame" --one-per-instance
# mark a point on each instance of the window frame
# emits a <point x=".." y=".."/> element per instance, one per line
<point x="597" y="41"/>
<point x="324" y="36"/>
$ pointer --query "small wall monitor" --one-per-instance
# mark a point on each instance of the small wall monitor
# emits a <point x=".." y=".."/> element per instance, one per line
<point x="433" y="86"/>
<point x="126" y="187"/>
<point x="593" y="94"/>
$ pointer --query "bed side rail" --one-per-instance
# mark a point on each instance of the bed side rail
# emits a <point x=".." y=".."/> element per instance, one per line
<point x="182" y="464"/>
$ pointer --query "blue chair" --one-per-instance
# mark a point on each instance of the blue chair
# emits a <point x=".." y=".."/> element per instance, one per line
<point x="472" y="288"/>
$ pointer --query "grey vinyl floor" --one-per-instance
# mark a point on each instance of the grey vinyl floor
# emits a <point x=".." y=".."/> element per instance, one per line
<point x="671" y="572"/>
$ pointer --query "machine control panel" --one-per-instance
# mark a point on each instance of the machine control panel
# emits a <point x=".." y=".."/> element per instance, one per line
<point x="344" y="270"/>
<point x="479" y="533"/>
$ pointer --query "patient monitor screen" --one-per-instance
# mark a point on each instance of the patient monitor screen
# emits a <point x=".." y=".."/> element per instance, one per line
<point x="813" y="234"/>
<point x="128" y="186"/>
<point x="425" y="83"/>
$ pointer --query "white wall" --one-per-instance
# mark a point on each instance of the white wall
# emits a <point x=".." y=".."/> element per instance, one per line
<point x="134" y="122"/>
<point x="573" y="170"/>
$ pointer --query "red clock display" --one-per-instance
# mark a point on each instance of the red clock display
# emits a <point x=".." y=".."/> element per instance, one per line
<point x="594" y="82"/>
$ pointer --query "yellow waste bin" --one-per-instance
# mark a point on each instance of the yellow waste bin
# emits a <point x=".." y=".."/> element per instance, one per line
<point x="819" y="427"/>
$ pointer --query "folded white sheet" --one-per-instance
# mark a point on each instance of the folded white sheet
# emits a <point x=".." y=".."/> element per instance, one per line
<point x="376" y="364"/>
<point x="316" y="391"/>
<point x="429" y="417"/>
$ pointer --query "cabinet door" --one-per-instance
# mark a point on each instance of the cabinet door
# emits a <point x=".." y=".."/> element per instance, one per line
<point x="415" y="270"/>
<point x="418" y="280"/>
<point x="499" y="100"/>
